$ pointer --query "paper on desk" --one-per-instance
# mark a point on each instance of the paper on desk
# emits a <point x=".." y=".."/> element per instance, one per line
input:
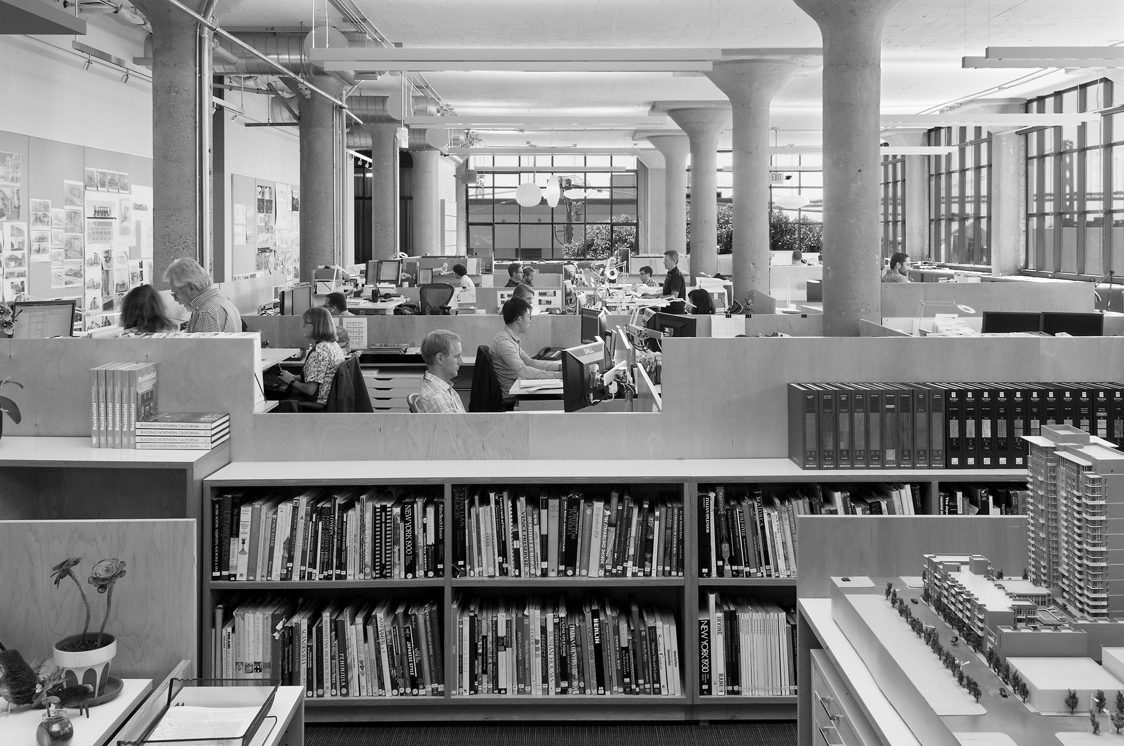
<point x="221" y="725"/>
<point x="540" y="384"/>
<point x="356" y="328"/>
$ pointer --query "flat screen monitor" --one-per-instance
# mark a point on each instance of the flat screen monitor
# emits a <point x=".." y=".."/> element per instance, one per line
<point x="1008" y="322"/>
<point x="577" y="367"/>
<point x="296" y="300"/>
<point x="40" y="319"/>
<point x="389" y="273"/>
<point x="591" y="325"/>
<point x="425" y="276"/>
<point x="672" y="325"/>
<point x="1073" y="324"/>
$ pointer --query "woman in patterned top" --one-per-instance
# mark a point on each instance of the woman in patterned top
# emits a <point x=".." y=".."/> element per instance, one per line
<point x="315" y="384"/>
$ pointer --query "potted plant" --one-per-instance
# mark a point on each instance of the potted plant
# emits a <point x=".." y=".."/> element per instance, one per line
<point x="85" y="658"/>
<point x="7" y="406"/>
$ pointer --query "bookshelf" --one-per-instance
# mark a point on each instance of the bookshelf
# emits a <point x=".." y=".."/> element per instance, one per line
<point x="680" y="479"/>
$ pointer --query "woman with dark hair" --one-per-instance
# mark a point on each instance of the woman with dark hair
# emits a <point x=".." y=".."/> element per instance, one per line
<point x="701" y="300"/>
<point x="325" y="356"/>
<point x="142" y="312"/>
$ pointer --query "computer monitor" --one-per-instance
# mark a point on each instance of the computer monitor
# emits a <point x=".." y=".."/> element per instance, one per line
<point x="672" y="325"/>
<point x="577" y="367"/>
<point x="1073" y="324"/>
<point x="592" y="325"/>
<point x="40" y="319"/>
<point x="296" y="300"/>
<point x="389" y="273"/>
<point x="425" y="276"/>
<point x="1008" y="322"/>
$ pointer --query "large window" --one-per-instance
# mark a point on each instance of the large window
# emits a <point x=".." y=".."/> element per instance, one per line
<point x="893" y="204"/>
<point x="598" y="205"/>
<point x="1073" y="228"/>
<point x="960" y="197"/>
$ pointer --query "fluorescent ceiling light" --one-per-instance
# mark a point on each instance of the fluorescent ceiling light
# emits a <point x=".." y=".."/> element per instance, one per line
<point x="917" y="149"/>
<point x="1007" y="57"/>
<point x="977" y="119"/>
<point x="983" y="63"/>
<point x="531" y="121"/>
<point x="532" y="59"/>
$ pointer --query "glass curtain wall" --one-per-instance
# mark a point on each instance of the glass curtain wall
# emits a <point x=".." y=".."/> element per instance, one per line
<point x="795" y="200"/>
<point x="1075" y="226"/>
<point x="893" y="205"/>
<point x="960" y="197"/>
<point x="598" y="207"/>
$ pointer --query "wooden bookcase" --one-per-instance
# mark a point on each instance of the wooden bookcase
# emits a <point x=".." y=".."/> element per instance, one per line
<point x="681" y="594"/>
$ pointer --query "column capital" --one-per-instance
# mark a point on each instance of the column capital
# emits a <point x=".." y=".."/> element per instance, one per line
<point x="700" y="119"/>
<point x="673" y="145"/>
<point x="848" y="14"/>
<point x="753" y="79"/>
<point x="905" y="136"/>
<point x="651" y="158"/>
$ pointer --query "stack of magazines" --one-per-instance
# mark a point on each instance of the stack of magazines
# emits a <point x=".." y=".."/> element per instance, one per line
<point x="196" y="431"/>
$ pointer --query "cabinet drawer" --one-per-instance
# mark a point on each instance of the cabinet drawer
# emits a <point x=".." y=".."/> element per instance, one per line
<point x="836" y="716"/>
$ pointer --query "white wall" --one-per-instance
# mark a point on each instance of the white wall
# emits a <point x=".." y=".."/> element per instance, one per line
<point x="44" y="92"/>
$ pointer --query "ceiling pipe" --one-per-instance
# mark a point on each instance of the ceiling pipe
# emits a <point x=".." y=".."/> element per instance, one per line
<point x="289" y="50"/>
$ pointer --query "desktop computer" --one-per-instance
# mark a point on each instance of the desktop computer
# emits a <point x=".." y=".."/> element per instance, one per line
<point x="41" y="319"/>
<point x="580" y="366"/>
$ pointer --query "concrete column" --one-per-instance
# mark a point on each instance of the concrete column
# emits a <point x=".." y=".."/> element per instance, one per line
<point x="181" y="136"/>
<point x="384" y="190"/>
<point x="750" y="85"/>
<point x="650" y="193"/>
<point x="425" y="215"/>
<point x="1008" y="204"/>
<point x="321" y="132"/>
<point x="852" y="41"/>
<point x="674" y="147"/>
<point x="462" y="209"/>
<point x="916" y="207"/>
<point x="703" y="123"/>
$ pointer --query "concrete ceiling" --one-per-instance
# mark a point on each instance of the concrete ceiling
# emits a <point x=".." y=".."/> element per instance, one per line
<point x="923" y="43"/>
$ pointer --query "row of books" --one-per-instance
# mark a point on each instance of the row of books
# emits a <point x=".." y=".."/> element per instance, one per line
<point x="544" y="647"/>
<point x="197" y="431"/>
<point x="347" y="533"/>
<point x="506" y="533"/>
<point x="338" y="649"/>
<point x="121" y="394"/>
<point x="746" y="647"/>
<point x="981" y="499"/>
<point x="940" y="425"/>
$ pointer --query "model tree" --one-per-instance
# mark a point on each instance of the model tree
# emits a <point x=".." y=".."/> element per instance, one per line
<point x="974" y="690"/>
<point x="1094" y="720"/>
<point x="1099" y="700"/>
<point x="1005" y="672"/>
<point x="1117" y="721"/>
<point x="1071" y="701"/>
<point x="1023" y="691"/>
<point x="1120" y="702"/>
<point x="1016" y="680"/>
<point x="889" y="588"/>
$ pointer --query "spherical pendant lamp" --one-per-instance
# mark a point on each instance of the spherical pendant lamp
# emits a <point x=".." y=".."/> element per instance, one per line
<point x="528" y="194"/>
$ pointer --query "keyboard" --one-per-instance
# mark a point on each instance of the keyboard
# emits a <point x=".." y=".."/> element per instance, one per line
<point x="399" y="349"/>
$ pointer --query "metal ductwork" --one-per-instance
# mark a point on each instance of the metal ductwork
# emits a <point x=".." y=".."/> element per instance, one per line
<point x="423" y="139"/>
<point x="290" y="50"/>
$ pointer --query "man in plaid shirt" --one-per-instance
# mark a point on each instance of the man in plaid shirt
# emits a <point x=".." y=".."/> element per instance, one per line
<point x="192" y="288"/>
<point x="441" y="351"/>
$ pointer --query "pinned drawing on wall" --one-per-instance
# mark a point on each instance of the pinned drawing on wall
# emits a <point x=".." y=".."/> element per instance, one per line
<point x="40" y="213"/>
<point x="125" y="216"/>
<point x="103" y="180"/>
<point x="58" y="218"/>
<point x="10" y="203"/>
<point x="40" y="245"/>
<point x="72" y="194"/>
<point x="124" y="183"/>
<point x="112" y="179"/>
<point x="91" y="178"/>
<point x="284" y="206"/>
<point x="15" y="260"/>
<point x="99" y="231"/>
<point x="13" y="237"/>
<point x="72" y="222"/>
<point x="15" y="284"/>
<point x="11" y="168"/>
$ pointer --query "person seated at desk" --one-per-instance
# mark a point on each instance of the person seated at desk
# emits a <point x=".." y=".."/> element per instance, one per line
<point x="529" y="276"/>
<point x="798" y="257"/>
<point x="508" y="358"/>
<point x="441" y="351"/>
<point x="336" y="304"/>
<point x="514" y="275"/>
<point x="527" y="293"/>
<point x="899" y="268"/>
<point x="702" y="301"/>
<point x="466" y="288"/>
<point x="325" y="356"/>
<point x="646" y="276"/>
<point x="143" y="312"/>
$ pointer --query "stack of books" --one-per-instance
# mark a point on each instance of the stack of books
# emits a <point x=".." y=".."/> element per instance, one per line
<point x="121" y="395"/>
<point x="194" y="431"/>
<point x="747" y="647"/>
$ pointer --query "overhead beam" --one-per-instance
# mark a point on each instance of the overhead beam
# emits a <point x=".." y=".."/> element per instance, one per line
<point x="37" y="17"/>
<point x="536" y="122"/>
<point x="1014" y="53"/>
<point x="976" y="119"/>
<point x="978" y="63"/>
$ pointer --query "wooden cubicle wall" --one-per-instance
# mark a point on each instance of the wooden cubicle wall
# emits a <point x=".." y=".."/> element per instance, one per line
<point x="759" y="324"/>
<point x="721" y="399"/>
<point x="547" y="330"/>
<point x="905" y="299"/>
<point x="194" y="374"/>
<point x="155" y="611"/>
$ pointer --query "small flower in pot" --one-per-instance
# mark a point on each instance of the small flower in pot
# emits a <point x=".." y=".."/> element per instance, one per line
<point x="7" y="406"/>
<point x="86" y="657"/>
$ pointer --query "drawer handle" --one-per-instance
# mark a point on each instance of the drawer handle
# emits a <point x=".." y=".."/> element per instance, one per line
<point x="831" y="736"/>
<point x="829" y="707"/>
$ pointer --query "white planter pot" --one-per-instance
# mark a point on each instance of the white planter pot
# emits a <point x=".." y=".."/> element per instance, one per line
<point x="85" y="666"/>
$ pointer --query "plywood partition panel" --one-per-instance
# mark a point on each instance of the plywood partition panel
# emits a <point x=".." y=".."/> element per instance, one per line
<point x="832" y="546"/>
<point x="154" y="614"/>
<point x="194" y="374"/>
<point x="905" y="299"/>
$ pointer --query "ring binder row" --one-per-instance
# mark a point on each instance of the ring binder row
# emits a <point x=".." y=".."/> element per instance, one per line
<point x="940" y="425"/>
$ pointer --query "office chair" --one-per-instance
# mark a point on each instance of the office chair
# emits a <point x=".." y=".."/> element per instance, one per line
<point x="349" y="390"/>
<point x="486" y="396"/>
<point x="435" y="298"/>
<point x="412" y="402"/>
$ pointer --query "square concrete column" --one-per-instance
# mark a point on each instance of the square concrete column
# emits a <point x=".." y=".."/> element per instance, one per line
<point x="852" y="73"/>
<point x="181" y="136"/>
<point x="915" y="211"/>
<point x="650" y="194"/>
<point x="703" y="121"/>
<point x="674" y="147"/>
<point x="750" y="85"/>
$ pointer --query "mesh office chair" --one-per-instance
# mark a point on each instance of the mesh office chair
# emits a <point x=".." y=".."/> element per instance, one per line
<point x="349" y="390"/>
<point x="412" y="402"/>
<point x="486" y="394"/>
<point x="435" y="298"/>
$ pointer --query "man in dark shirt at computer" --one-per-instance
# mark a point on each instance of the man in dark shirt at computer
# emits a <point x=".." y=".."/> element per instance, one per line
<point x="673" y="283"/>
<point x="514" y="275"/>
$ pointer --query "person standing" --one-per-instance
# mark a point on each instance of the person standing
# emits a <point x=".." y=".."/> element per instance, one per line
<point x="529" y="276"/>
<point x="441" y="351"/>
<point x="899" y="268"/>
<point x="673" y="283"/>
<point x="193" y="289"/>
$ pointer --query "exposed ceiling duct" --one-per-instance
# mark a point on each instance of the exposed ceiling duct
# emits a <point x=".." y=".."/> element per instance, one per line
<point x="289" y="50"/>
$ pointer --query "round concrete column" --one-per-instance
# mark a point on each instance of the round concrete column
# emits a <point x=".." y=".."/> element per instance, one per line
<point x="703" y="124"/>
<point x="321" y="135"/>
<point x="181" y="136"/>
<point x="462" y="209"/>
<point x="651" y="192"/>
<point x="750" y="85"/>
<point x="852" y="39"/>
<point x="674" y="147"/>
<point x="425" y="213"/>
<point x="384" y="190"/>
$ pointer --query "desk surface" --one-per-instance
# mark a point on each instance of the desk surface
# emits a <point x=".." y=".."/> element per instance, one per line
<point x="540" y="387"/>
<point x="77" y="452"/>
<point x="104" y="720"/>
<point x="271" y="356"/>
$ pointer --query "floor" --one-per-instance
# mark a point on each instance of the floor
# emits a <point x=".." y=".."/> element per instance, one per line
<point x="781" y="733"/>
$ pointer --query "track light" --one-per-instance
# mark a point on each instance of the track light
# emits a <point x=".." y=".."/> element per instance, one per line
<point x="89" y="61"/>
<point x="125" y="77"/>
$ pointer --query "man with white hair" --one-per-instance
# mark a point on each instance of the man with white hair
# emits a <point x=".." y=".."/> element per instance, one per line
<point x="192" y="288"/>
